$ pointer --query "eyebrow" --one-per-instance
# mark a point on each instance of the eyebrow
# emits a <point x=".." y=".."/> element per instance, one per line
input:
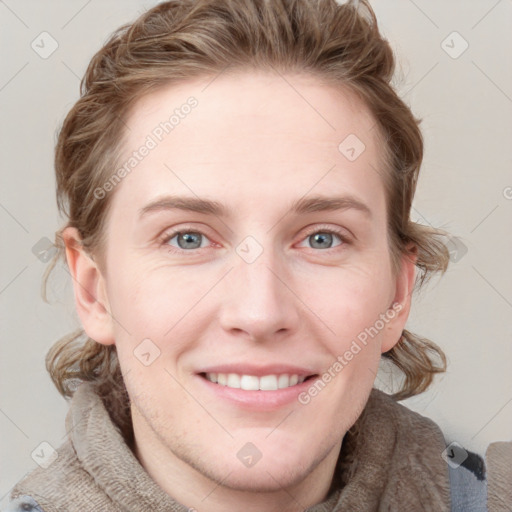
<point x="192" y="204"/>
<point x="323" y="204"/>
<point x="300" y="207"/>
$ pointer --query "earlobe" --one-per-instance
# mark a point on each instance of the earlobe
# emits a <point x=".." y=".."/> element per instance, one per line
<point x="401" y="305"/>
<point x="89" y="289"/>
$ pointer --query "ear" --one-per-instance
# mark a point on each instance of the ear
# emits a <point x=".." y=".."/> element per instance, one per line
<point x="399" y="309"/>
<point x="89" y="289"/>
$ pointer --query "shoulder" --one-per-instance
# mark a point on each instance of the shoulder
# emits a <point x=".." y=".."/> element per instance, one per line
<point x="38" y="490"/>
<point x="465" y="470"/>
<point x="498" y="458"/>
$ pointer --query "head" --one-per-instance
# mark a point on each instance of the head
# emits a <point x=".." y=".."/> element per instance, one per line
<point x="264" y="230"/>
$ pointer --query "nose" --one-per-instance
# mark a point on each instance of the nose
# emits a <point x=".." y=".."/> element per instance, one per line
<point x="259" y="299"/>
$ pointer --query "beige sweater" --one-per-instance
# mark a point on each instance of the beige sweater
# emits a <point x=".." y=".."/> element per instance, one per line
<point x="390" y="461"/>
<point x="499" y="466"/>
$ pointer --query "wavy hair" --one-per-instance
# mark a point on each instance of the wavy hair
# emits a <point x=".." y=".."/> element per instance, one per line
<point x="182" y="39"/>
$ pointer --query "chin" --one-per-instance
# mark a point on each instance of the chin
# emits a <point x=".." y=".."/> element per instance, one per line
<point x="266" y="478"/>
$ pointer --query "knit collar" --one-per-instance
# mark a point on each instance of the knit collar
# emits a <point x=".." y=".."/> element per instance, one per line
<point x="391" y="455"/>
<point x="390" y="460"/>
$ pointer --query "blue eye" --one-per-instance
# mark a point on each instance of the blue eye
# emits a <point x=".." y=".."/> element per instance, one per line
<point x="188" y="240"/>
<point x="323" y="240"/>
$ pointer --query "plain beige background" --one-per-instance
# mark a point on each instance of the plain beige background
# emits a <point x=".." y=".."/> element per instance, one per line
<point x="454" y="70"/>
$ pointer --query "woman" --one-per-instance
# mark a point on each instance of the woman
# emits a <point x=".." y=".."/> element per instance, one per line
<point x="238" y="179"/>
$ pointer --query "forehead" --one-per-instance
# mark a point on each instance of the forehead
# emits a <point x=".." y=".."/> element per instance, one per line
<point x="256" y="130"/>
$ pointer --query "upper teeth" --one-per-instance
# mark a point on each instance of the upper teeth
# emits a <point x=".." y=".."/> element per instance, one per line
<point x="253" y="383"/>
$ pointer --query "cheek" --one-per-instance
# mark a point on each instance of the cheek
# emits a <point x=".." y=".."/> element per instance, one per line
<point x="156" y="304"/>
<point x="354" y="311"/>
<point x="141" y="294"/>
<point x="349" y="298"/>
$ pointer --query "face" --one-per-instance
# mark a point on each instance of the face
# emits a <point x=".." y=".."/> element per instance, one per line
<point x="247" y="255"/>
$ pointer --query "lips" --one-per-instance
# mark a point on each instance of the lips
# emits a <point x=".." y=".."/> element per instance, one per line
<point x="256" y="387"/>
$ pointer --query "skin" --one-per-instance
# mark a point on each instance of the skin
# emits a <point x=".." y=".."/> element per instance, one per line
<point x="255" y="145"/>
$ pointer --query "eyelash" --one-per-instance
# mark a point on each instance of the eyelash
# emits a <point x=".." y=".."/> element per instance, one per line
<point x="168" y="236"/>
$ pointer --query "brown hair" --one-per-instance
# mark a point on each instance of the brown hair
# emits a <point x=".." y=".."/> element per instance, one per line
<point x="182" y="39"/>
